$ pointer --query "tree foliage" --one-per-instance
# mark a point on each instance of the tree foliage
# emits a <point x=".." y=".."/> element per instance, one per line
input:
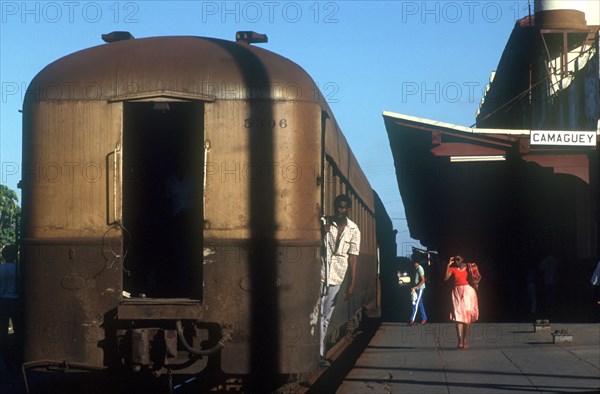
<point x="9" y="215"/>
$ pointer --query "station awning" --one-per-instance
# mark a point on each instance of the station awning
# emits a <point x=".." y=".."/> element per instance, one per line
<point x="476" y="177"/>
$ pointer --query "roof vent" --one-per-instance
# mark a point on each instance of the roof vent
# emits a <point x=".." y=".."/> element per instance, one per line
<point x="117" y="36"/>
<point x="250" y="37"/>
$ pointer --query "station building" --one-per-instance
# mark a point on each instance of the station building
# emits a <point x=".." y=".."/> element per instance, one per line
<point x="524" y="183"/>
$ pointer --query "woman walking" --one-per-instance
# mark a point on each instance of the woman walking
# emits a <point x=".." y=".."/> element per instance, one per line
<point x="465" y="309"/>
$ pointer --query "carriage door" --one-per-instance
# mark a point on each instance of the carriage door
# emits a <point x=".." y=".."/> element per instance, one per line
<point x="162" y="198"/>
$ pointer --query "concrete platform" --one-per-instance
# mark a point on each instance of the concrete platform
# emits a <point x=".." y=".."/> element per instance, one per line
<point x="501" y="358"/>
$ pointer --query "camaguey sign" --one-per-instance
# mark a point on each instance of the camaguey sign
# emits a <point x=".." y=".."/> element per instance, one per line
<point x="563" y="137"/>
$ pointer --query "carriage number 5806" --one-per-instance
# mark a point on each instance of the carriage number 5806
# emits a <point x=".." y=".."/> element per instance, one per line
<point x="264" y="123"/>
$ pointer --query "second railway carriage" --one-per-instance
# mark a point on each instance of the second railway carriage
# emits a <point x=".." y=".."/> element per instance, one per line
<point x="172" y="189"/>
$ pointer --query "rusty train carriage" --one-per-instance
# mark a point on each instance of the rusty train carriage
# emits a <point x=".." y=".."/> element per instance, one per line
<point x="189" y="172"/>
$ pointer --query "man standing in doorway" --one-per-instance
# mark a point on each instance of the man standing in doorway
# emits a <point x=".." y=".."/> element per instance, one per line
<point x="341" y="246"/>
<point x="418" y="290"/>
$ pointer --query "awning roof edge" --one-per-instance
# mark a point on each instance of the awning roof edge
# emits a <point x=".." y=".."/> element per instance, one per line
<point x="453" y="127"/>
<point x="450" y="126"/>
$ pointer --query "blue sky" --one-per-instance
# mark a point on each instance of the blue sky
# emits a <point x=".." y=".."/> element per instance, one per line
<point x="430" y="59"/>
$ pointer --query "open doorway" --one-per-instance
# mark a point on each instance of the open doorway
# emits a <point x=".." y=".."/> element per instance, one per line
<point x="162" y="198"/>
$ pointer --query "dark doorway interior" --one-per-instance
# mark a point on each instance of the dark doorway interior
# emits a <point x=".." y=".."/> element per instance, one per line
<point x="162" y="198"/>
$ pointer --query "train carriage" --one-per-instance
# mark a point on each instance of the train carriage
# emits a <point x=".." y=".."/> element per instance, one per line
<point x="172" y="189"/>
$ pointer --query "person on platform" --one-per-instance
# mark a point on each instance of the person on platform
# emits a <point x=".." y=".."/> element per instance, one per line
<point x="341" y="246"/>
<point x="9" y="307"/>
<point x="595" y="279"/>
<point x="419" y="289"/>
<point x="465" y="308"/>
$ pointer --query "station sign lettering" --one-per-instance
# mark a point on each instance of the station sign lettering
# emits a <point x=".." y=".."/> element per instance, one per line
<point x="563" y="137"/>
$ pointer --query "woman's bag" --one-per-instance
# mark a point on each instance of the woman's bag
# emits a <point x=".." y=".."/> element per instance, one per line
<point x="473" y="276"/>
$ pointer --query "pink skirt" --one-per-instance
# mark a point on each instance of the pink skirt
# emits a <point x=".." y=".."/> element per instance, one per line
<point x="465" y="305"/>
